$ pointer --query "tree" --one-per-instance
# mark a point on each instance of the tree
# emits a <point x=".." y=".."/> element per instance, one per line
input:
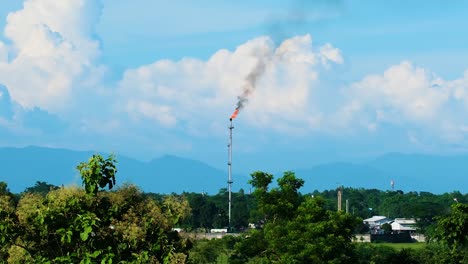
<point x="387" y="228"/>
<point x="296" y="229"/>
<point x="7" y="220"/>
<point x="4" y="188"/>
<point x="98" y="173"/>
<point x="279" y="202"/>
<point x="240" y="210"/>
<point x="211" y="251"/>
<point x="451" y="231"/>
<point x="72" y="225"/>
<point x="41" y="187"/>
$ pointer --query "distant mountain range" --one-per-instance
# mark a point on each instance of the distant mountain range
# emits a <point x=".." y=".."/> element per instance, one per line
<point x="22" y="167"/>
<point x="410" y="172"/>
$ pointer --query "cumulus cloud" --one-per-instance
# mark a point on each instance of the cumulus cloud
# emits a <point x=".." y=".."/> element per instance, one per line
<point x="3" y="53"/>
<point x="16" y="121"/>
<point x="290" y="96"/>
<point x="51" y="44"/>
<point x="160" y="114"/>
<point x="410" y="97"/>
<point x="6" y="106"/>
<point x="459" y="88"/>
<point x="51" y="72"/>
<point x="200" y="92"/>
<point x="412" y="92"/>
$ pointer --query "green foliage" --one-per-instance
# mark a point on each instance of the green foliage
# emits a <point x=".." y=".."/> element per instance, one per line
<point x="451" y="232"/>
<point x="387" y="228"/>
<point x="400" y="246"/>
<point x="453" y="228"/>
<point x="422" y="206"/>
<point x="280" y="202"/>
<point x="4" y="188"/>
<point x="41" y="187"/>
<point x="295" y="229"/>
<point x="47" y="224"/>
<point x="98" y="173"/>
<point x="212" y="251"/>
<point x="72" y="225"/>
<point x="374" y="253"/>
<point x="210" y="211"/>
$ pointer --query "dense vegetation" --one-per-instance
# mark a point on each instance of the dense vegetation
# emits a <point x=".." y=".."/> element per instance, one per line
<point x="73" y="225"/>
<point x="101" y="224"/>
<point x="210" y="211"/>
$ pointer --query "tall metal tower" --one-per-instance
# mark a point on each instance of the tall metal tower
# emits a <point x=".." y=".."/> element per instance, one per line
<point x="229" y="168"/>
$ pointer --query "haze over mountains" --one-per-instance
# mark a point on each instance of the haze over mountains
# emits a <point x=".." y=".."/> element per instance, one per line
<point x="22" y="167"/>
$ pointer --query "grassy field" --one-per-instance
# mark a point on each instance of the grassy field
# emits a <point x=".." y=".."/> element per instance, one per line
<point x="400" y="246"/>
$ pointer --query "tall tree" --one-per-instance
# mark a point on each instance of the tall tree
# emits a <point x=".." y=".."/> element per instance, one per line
<point x="41" y="187"/>
<point x="98" y="173"/>
<point x="452" y="231"/>
<point x="296" y="229"/>
<point x="72" y="225"/>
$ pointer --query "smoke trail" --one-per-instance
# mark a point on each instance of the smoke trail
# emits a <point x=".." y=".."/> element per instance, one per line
<point x="249" y="86"/>
<point x="294" y="20"/>
<point x="301" y="13"/>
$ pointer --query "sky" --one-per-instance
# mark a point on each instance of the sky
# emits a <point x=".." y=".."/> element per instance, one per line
<point x="324" y="81"/>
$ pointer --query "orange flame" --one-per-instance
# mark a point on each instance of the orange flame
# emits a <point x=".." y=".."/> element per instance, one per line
<point x="234" y="115"/>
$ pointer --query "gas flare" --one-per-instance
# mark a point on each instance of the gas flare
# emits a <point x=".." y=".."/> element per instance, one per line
<point x="249" y="86"/>
<point x="234" y="115"/>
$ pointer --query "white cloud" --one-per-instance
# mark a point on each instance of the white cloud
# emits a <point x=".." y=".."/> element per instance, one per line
<point x="51" y="64"/>
<point x="3" y="53"/>
<point x="459" y="87"/>
<point x="408" y="97"/>
<point x="53" y="47"/>
<point x="408" y="90"/>
<point x="200" y="92"/>
<point x="161" y="114"/>
<point x="329" y="53"/>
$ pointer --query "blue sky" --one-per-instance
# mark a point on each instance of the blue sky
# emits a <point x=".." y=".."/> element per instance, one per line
<point x="342" y="80"/>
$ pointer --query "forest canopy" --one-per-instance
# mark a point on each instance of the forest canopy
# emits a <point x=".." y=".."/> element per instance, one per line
<point x="102" y="223"/>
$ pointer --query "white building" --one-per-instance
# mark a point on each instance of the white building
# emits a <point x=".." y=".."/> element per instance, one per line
<point x="402" y="225"/>
<point x="375" y="223"/>
<point x="218" y="230"/>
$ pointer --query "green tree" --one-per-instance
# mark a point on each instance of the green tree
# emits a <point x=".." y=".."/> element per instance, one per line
<point x="240" y="210"/>
<point x="296" y="229"/>
<point x="212" y="251"/>
<point x="451" y="232"/>
<point x="203" y="211"/>
<point x="41" y="187"/>
<point x="72" y="225"/>
<point x="280" y="202"/>
<point x="98" y="173"/>
<point x="387" y="228"/>
<point x="4" y="188"/>
<point x="7" y="220"/>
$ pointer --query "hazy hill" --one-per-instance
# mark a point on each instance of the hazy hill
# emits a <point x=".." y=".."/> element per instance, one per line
<point x="332" y="175"/>
<point x="425" y="172"/>
<point x="410" y="172"/>
<point x="22" y="167"/>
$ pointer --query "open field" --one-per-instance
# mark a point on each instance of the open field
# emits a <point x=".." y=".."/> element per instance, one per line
<point x="399" y="246"/>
